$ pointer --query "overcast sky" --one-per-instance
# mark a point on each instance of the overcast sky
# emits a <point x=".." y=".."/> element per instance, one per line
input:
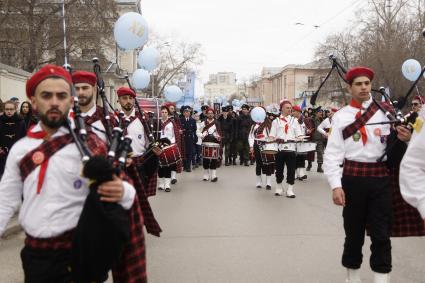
<point x="242" y="36"/>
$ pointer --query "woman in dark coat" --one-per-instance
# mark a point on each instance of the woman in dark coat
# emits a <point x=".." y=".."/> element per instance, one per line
<point x="27" y="115"/>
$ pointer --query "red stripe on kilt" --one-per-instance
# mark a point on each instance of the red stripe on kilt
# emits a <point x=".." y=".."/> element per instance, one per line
<point x="364" y="169"/>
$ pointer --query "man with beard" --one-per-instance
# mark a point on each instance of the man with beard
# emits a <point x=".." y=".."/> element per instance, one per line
<point x="43" y="172"/>
<point x="227" y="128"/>
<point x="85" y="89"/>
<point x="244" y="124"/>
<point x="147" y="166"/>
<point x="210" y="132"/>
<point x="12" y="128"/>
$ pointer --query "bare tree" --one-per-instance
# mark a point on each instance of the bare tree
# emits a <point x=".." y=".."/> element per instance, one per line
<point x="177" y="59"/>
<point x="31" y="31"/>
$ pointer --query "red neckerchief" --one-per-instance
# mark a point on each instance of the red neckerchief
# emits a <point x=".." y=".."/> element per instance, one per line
<point x="286" y="125"/>
<point x="356" y="104"/>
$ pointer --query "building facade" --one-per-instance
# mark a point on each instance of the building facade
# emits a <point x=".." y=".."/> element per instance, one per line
<point x="221" y="84"/>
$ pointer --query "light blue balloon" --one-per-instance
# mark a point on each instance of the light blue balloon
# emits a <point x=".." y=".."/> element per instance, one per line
<point x="258" y="114"/>
<point x="131" y="31"/>
<point x="140" y="79"/>
<point x="149" y="58"/>
<point x="411" y="69"/>
<point x="173" y="93"/>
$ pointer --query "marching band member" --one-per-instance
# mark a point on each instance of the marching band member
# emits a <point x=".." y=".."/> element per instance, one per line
<point x="147" y="166"/>
<point x="169" y="135"/>
<point x="43" y="172"/>
<point x="258" y="135"/>
<point x="325" y="126"/>
<point x="176" y="168"/>
<point x="362" y="185"/>
<point x="209" y="131"/>
<point x="285" y="130"/>
<point x="300" y="158"/>
<point x="85" y="89"/>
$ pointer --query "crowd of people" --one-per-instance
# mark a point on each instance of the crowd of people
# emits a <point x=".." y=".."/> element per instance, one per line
<point x="41" y="169"/>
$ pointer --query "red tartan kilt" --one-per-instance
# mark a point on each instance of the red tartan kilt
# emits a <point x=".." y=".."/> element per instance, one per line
<point x="63" y="241"/>
<point x="407" y="221"/>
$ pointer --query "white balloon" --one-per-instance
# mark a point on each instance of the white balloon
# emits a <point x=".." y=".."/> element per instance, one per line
<point x="411" y="69"/>
<point x="131" y="31"/>
<point x="140" y="79"/>
<point x="149" y="58"/>
<point x="173" y="93"/>
<point x="258" y="114"/>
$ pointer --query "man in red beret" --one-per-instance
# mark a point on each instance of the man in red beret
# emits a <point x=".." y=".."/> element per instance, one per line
<point x="284" y="131"/>
<point x="362" y="184"/>
<point x="86" y="90"/>
<point x="209" y="132"/>
<point x="417" y="103"/>
<point x="43" y="176"/>
<point x="141" y="140"/>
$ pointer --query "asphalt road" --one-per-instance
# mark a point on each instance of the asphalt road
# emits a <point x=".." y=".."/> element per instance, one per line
<point x="231" y="232"/>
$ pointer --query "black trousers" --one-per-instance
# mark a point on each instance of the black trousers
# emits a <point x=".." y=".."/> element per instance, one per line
<point x="46" y="266"/>
<point x="287" y="158"/>
<point x="164" y="172"/>
<point x="209" y="163"/>
<point x="368" y="205"/>
<point x="300" y="160"/>
<point x="259" y="166"/>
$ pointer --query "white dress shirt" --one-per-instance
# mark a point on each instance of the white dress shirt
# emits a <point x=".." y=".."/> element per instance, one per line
<point x="277" y="130"/>
<point x="325" y="125"/>
<point x="412" y="173"/>
<point x="264" y="136"/>
<point x="211" y="131"/>
<point x="139" y="140"/>
<point x="98" y="124"/>
<point x="339" y="149"/>
<point x="168" y="132"/>
<point x="58" y="206"/>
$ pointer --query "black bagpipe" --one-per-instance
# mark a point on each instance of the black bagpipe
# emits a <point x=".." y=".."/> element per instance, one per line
<point x="395" y="147"/>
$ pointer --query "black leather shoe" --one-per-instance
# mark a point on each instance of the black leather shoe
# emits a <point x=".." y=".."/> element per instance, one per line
<point x="161" y="189"/>
<point x="167" y="190"/>
<point x="304" y="177"/>
<point x="214" y="180"/>
<point x="173" y="181"/>
<point x="319" y="169"/>
<point x="246" y="163"/>
<point x="268" y="187"/>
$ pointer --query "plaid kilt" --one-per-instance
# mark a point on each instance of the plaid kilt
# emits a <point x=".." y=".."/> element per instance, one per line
<point x="63" y="241"/>
<point x="407" y="221"/>
<point x="131" y="267"/>
<point x="151" y="184"/>
<point x="363" y="169"/>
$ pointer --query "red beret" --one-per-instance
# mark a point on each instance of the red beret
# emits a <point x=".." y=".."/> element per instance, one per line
<point x="84" y="77"/>
<point x="126" y="91"/>
<point x="296" y="108"/>
<point x="283" y="102"/>
<point x="334" y="109"/>
<point x="168" y="104"/>
<point x="358" y="72"/>
<point x="418" y="97"/>
<point x="209" y="109"/>
<point x="48" y="71"/>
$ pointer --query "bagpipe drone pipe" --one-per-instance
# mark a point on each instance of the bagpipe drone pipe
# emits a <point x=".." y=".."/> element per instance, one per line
<point x="104" y="229"/>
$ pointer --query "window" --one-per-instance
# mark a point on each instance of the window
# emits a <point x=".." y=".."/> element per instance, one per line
<point x="310" y="82"/>
<point x="88" y="53"/>
<point x="222" y="79"/>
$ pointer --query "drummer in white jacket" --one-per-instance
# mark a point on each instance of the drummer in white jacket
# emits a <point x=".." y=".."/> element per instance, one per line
<point x="257" y="139"/>
<point x="209" y="132"/>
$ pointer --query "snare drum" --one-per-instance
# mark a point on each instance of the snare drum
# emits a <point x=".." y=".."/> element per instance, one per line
<point x="170" y="155"/>
<point x="304" y="147"/>
<point x="210" y="150"/>
<point x="288" y="146"/>
<point x="268" y="152"/>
